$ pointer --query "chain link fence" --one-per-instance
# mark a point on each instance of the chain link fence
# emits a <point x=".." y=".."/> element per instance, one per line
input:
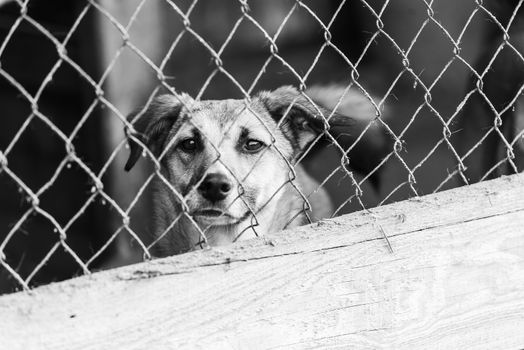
<point x="430" y="92"/>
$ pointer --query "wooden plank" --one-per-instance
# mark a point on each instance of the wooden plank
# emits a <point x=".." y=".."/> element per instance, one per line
<point x="454" y="280"/>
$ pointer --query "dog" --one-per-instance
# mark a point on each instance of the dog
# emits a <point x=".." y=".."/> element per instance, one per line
<point x="487" y="151"/>
<point x="233" y="169"/>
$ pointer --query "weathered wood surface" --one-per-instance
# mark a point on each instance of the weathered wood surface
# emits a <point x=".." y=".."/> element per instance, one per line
<point x="455" y="280"/>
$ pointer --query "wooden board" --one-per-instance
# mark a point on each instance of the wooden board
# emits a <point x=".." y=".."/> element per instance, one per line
<point x="455" y="279"/>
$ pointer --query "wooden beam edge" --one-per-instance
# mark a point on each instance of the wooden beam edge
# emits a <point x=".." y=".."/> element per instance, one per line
<point x="485" y="199"/>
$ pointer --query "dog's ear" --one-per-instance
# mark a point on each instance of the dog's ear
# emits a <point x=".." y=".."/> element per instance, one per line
<point x="152" y="125"/>
<point x="304" y="121"/>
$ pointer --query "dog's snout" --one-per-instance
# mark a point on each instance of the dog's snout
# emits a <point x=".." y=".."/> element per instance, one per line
<point x="215" y="187"/>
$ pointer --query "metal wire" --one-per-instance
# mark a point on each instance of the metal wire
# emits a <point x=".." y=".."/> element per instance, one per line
<point x="396" y="154"/>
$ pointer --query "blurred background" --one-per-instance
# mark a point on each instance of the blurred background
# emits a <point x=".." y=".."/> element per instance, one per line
<point x="71" y="70"/>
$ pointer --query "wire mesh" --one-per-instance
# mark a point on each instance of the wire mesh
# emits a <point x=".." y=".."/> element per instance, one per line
<point x="363" y="162"/>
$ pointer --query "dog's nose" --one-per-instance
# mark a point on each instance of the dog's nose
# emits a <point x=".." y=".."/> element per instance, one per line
<point x="215" y="187"/>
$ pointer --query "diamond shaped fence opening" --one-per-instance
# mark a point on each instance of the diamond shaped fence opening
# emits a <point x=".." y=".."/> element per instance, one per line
<point x="334" y="105"/>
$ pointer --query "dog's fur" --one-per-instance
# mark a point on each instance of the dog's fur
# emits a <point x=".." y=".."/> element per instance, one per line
<point x="229" y="167"/>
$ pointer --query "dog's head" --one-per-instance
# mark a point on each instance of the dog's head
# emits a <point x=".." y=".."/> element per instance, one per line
<point x="228" y="158"/>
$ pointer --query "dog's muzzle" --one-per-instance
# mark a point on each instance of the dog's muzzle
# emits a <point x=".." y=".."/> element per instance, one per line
<point x="215" y="187"/>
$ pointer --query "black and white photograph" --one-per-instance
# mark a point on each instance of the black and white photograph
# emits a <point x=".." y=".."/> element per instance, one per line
<point x="261" y="174"/>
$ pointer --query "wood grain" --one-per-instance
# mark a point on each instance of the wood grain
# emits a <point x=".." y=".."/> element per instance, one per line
<point x="455" y="279"/>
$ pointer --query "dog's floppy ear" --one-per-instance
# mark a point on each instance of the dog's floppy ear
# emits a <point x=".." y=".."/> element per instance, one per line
<point x="304" y="120"/>
<point x="152" y="125"/>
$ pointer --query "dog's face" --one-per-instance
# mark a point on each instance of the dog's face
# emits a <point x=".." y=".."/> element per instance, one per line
<point x="227" y="159"/>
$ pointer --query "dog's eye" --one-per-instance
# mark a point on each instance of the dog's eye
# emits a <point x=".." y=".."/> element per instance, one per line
<point x="188" y="145"/>
<point x="253" y="145"/>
